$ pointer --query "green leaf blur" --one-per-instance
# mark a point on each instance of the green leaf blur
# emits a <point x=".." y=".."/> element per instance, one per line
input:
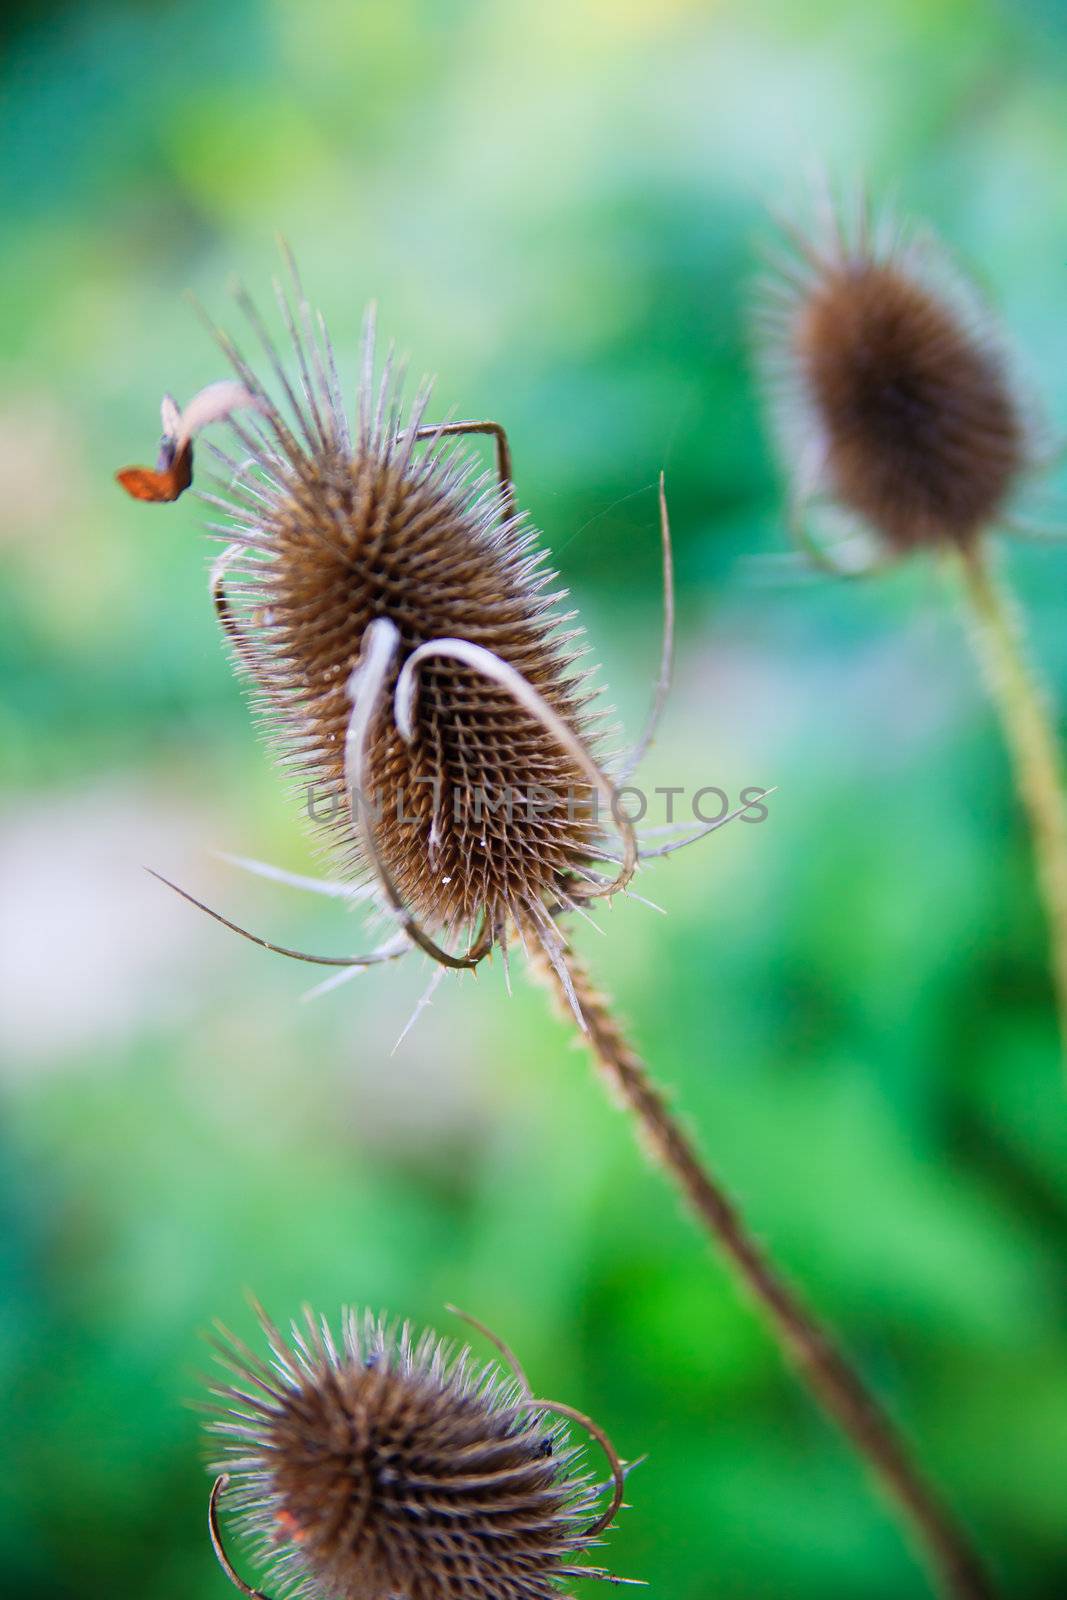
<point x="558" y="206"/>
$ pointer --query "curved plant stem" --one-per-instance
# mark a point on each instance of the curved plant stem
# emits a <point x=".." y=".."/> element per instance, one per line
<point x="999" y="642"/>
<point x="839" y="1388"/>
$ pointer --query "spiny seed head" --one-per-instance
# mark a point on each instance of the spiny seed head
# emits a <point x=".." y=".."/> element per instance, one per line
<point x="387" y="1469"/>
<point x="892" y="393"/>
<point x="482" y="817"/>
<point x="375" y="534"/>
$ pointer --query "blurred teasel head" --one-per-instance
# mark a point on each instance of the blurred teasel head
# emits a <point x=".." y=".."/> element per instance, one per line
<point x="892" y="393"/>
<point x="393" y="611"/>
<point x="383" y="1466"/>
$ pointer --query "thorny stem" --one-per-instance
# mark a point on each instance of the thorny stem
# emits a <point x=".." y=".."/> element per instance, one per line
<point x="999" y="643"/>
<point x="837" y="1385"/>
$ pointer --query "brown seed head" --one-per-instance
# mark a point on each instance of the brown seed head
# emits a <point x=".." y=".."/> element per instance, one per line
<point x="384" y="1469"/>
<point x="482" y="817"/>
<point x="378" y="535"/>
<point x="892" y="393"/>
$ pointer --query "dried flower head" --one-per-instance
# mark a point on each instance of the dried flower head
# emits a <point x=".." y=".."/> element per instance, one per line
<point x="390" y="1469"/>
<point x="893" y="395"/>
<point x="390" y="606"/>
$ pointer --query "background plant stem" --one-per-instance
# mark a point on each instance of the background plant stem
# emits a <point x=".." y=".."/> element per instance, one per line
<point x="999" y="641"/>
<point x="839" y="1388"/>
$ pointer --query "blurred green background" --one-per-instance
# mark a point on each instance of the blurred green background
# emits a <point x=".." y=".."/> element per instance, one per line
<point x="557" y="204"/>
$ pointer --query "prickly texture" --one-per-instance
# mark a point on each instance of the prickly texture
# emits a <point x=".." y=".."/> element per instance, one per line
<point x="387" y="1470"/>
<point x="900" y="391"/>
<point x="347" y="531"/>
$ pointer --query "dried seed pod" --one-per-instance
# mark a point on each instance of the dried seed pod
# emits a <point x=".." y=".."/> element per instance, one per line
<point x="388" y="604"/>
<point x="385" y="1467"/>
<point x="390" y="607"/>
<point x="893" y="395"/>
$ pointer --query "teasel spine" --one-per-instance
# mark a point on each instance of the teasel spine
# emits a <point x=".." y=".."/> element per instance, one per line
<point x="954" y="1564"/>
<point x="999" y="640"/>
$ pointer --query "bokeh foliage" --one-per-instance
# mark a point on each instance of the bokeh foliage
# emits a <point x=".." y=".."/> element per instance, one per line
<point x="557" y="207"/>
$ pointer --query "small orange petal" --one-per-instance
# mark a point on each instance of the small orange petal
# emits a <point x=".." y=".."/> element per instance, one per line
<point x="160" y="485"/>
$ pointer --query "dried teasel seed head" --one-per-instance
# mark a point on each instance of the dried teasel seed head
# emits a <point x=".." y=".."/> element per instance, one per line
<point x="384" y="1466"/>
<point x="391" y="608"/>
<point x="892" y="393"/>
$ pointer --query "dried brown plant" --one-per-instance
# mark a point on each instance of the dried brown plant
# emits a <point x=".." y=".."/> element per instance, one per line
<point x="388" y="605"/>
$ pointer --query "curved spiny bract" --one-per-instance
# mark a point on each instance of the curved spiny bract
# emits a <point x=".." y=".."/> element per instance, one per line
<point x="482" y="818"/>
<point x="380" y="1467"/>
<point x="892" y="392"/>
